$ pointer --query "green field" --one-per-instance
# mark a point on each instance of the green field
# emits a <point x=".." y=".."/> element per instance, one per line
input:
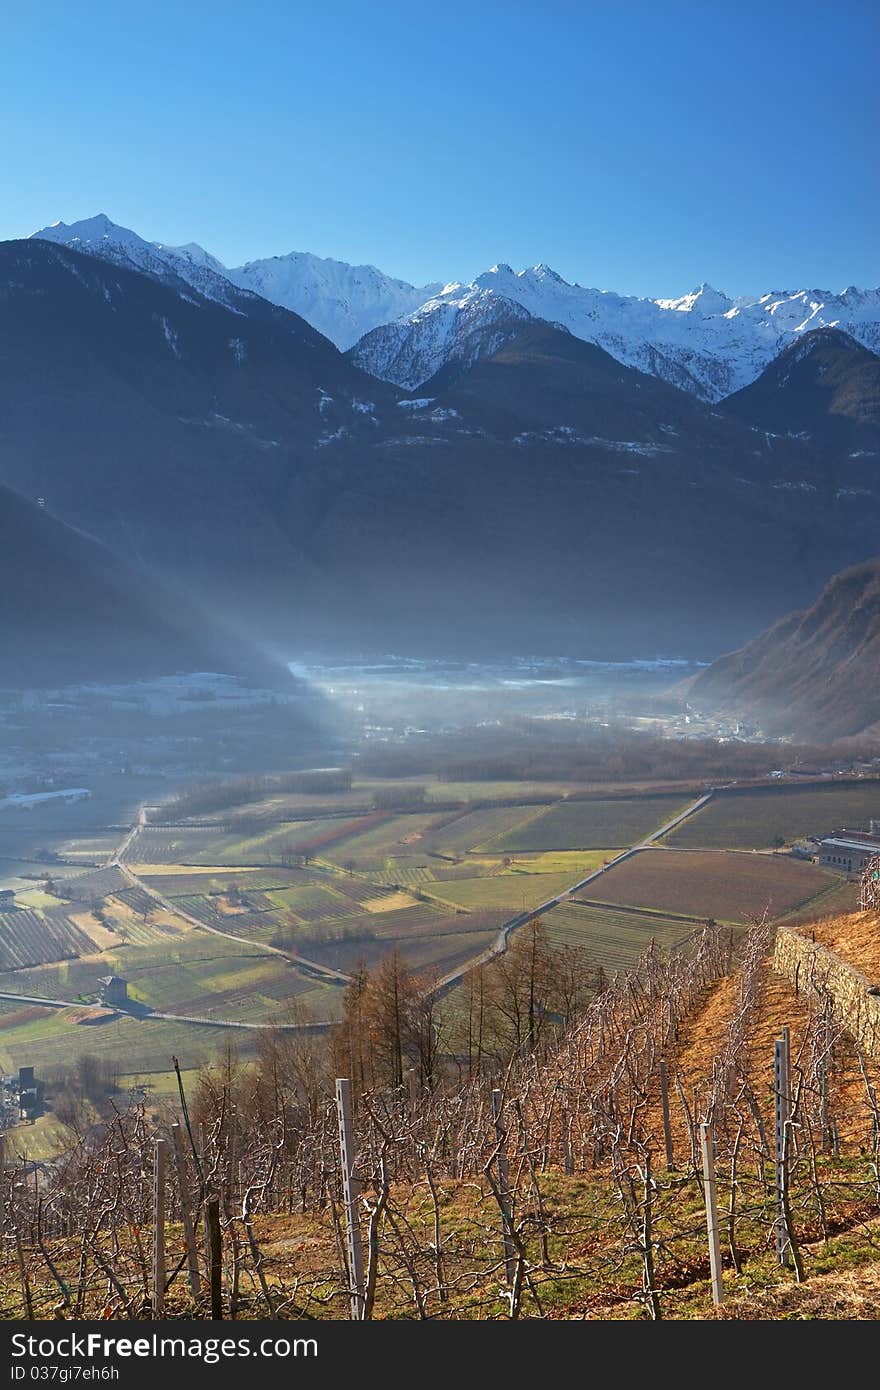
<point x="478" y="828"/>
<point x="145" y="1045"/>
<point x="727" y="886"/>
<point x="590" y="824"/>
<point x="214" y="845"/>
<point x="754" y="819"/>
<point x="399" y="838"/>
<point x="195" y="973"/>
<point x="511" y="891"/>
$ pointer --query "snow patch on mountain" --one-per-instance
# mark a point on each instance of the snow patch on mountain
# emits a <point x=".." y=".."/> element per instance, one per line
<point x="456" y="329"/>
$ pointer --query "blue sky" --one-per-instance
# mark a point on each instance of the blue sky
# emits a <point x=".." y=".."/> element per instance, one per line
<point x="638" y="146"/>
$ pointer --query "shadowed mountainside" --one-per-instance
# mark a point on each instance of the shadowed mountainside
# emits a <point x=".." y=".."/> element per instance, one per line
<point x="547" y="498"/>
<point x="816" y="673"/>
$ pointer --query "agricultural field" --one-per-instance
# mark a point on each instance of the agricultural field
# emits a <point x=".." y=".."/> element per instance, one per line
<point x="33" y="937"/>
<point x="594" y="824"/>
<point x="362" y="795"/>
<point x="840" y="897"/>
<point x="142" y="1045"/>
<point x="399" y="838"/>
<point x="434" y="884"/>
<point x="476" y="829"/>
<point x="444" y="944"/>
<point x="173" y="968"/>
<point x="510" y="890"/>
<point x="92" y="884"/>
<point x="730" y="887"/>
<point x="183" y="880"/>
<point x="21" y="874"/>
<point x="216" y="846"/>
<point x="91" y="849"/>
<point x="757" y="819"/>
<point x="614" y="939"/>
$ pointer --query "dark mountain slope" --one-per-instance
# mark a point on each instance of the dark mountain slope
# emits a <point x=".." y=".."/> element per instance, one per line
<point x="70" y="610"/>
<point x="160" y="421"/>
<point x="546" y="498"/>
<point x="815" y="674"/>
<point x="825" y="386"/>
<point x="543" y="378"/>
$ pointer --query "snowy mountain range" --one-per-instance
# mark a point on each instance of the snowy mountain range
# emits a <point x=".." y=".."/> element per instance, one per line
<point x="342" y="301"/>
<point x="703" y="342"/>
<point x="546" y="494"/>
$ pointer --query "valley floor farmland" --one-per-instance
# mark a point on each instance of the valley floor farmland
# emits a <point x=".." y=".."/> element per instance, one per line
<point x="728" y="886"/>
<point x="235" y="920"/>
<point x="758" y="818"/>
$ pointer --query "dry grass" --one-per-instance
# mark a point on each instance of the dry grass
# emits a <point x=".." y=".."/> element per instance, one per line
<point x="855" y="937"/>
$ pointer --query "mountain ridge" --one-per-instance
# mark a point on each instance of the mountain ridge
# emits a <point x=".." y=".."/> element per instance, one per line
<point x="590" y="506"/>
<point x="703" y="341"/>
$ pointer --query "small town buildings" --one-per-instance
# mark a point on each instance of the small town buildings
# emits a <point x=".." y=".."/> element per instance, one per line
<point x="113" y="991"/>
<point x="7" y="899"/>
<point x="848" y="851"/>
<point x="30" y="1094"/>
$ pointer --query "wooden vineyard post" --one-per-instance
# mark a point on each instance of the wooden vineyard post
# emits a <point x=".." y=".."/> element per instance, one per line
<point x="2" y="1183"/>
<point x="189" y="1234"/>
<point x="503" y="1192"/>
<point x="782" y="1093"/>
<point x="159" y="1230"/>
<point x="351" y="1188"/>
<point x="708" y="1146"/>
<point x="215" y="1256"/>
<point x="667" y="1129"/>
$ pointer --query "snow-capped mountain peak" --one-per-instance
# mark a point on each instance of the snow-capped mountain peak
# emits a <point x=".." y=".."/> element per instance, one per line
<point x="190" y="264"/>
<point x="704" y="300"/>
<point x="703" y="341"/>
<point x="342" y="301"/>
<point x="90" y="233"/>
<point x="197" y="255"/>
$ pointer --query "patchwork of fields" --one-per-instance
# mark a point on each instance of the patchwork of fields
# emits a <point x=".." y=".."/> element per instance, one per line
<point x="333" y="889"/>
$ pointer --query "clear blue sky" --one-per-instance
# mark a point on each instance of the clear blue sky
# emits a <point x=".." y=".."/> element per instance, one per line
<point x="637" y="146"/>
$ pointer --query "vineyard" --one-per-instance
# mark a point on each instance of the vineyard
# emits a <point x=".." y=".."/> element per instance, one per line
<point x="757" y="819"/>
<point x="729" y="887"/>
<point x="33" y="938"/>
<point x="702" y="1142"/>
<point x="592" y="824"/>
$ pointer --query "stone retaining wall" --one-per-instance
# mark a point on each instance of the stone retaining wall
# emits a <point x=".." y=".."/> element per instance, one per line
<point x="808" y="965"/>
